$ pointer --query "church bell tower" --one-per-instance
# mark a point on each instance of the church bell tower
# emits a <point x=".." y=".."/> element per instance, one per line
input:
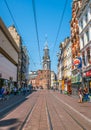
<point x="46" y="58"/>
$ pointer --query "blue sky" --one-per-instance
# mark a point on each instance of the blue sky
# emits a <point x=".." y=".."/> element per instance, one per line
<point x="49" y="13"/>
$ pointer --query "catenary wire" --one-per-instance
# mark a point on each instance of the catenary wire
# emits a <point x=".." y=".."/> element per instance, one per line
<point x="11" y="14"/>
<point x="60" y="24"/>
<point x="35" y="19"/>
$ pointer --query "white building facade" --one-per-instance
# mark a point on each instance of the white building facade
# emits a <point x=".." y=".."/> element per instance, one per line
<point x="53" y="78"/>
<point x="84" y="17"/>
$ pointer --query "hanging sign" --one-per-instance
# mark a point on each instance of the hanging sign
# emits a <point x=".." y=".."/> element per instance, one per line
<point x="78" y="62"/>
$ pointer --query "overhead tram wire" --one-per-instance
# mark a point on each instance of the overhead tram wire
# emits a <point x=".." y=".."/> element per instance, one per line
<point x="35" y="19"/>
<point x="11" y="15"/>
<point x="16" y="26"/>
<point x="60" y="24"/>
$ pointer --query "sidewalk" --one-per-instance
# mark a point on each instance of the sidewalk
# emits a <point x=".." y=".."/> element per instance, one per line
<point x="11" y="100"/>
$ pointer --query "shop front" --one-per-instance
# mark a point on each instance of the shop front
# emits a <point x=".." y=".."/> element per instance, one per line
<point x="69" y="87"/>
<point x="76" y="81"/>
<point x="87" y="80"/>
<point x="62" y="87"/>
<point x="8" y="73"/>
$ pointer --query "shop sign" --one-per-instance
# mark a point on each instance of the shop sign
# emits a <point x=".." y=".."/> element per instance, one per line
<point x="78" y="62"/>
<point x="88" y="73"/>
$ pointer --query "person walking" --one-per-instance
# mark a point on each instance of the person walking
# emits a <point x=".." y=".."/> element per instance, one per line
<point x="80" y="94"/>
<point x="86" y="93"/>
<point x="15" y="90"/>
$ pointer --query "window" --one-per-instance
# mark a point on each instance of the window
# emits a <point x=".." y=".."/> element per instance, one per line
<point x="81" y="24"/>
<point x="87" y="36"/>
<point x="84" y="60"/>
<point x="82" y="43"/>
<point x="86" y="18"/>
<point x="88" y="55"/>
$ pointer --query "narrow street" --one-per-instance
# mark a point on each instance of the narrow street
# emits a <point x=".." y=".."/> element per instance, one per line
<point x="48" y="110"/>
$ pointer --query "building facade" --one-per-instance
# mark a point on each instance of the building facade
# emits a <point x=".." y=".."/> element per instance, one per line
<point x="42" y="78"/>
<point x="23" y="58"/>
<point x="67" y="64"/>
<point x="84" y="17"/>
<point x="76" y="77"/>
<point x="17" y="40"/>
<point x="53" y="78"/>
<point x="60" y="76"/>
<point x="64" y="66"/>
<point x="8" y="58"/>
<point x="24" y="66"/>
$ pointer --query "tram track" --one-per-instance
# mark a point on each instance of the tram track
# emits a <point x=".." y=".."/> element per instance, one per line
<point x="26" y="119"/>
<point x="37" y="114"/>
<point x="82" y="127"/>
<point x="15" y="113"/>
<point x="49" y="118"/>
<point x="62" y="126"/>
<point x="5" y="111"/>
<point x="45" y="111"/>
<point x="57" y="111"/>
<point x="76" y="120"/>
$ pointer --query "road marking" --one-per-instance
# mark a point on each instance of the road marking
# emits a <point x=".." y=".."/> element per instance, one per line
<point x="89" y="120"/>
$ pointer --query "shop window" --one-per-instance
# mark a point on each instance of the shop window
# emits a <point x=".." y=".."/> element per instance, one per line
<point x="90" y="87"/>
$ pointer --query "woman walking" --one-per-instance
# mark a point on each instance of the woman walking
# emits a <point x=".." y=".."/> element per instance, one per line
<point x="80" y="94"/>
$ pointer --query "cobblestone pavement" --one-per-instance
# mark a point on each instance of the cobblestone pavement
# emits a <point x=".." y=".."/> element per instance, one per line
<point x="48" y="110"/>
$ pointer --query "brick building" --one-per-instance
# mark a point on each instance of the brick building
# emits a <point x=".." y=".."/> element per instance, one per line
<point x="42" y="78"/>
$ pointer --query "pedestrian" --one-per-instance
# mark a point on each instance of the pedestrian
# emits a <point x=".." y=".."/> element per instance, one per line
<point x="86" y="93"/>
<point x="3" y="92"/>
<point x="80" y="94"/>
<point x="15" y="90"/>
<point x="24" y="90"/>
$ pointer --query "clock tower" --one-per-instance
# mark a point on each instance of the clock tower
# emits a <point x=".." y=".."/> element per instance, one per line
<point x="46" y="58"/>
